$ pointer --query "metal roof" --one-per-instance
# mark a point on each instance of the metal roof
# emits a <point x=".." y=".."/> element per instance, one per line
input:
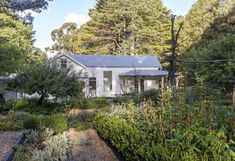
<point x="116" y="61"/>
<point x="145" y="73"/>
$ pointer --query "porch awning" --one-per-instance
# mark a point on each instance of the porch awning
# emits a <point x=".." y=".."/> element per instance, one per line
<point x="145" y="73"/>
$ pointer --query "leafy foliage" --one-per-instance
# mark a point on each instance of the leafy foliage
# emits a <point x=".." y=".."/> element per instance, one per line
<point x="21" y="153"/>
<point x="66" y="39"/>
<point x="206" y="21"/>
<point x="20" y="8"/>
<point x="48" y="79"/>
<point x="219" y="74"/>
<point x="149" y="95"/>
<point x="26" y="121"/>
<point x="16" y="43"/>
<point x="173" y="132"/>
<point x="207" y="38"/>
<point x="88" y="103"/>
<point x="57" y="122"/>
<point x="43" y="146"/>
<point x="55" y="148"/>
<point x="22" y="120"/>
<point x="118" y="27"/>
<point x="31" y="106"/>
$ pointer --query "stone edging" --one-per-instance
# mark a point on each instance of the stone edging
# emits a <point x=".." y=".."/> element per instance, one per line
<point x="11" y="152"/>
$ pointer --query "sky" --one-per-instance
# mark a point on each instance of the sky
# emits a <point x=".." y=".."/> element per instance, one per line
<point x="61" y="11"/>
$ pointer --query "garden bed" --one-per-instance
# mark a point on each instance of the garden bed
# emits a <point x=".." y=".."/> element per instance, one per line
<point x="7" y="142"/>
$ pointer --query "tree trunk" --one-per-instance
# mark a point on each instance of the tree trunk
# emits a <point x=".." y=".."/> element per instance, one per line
<point x="233" y="98"/>
<point x="41" y="99"/>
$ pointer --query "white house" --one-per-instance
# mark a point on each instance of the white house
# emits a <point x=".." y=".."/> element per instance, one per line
<point x="6" y="94"/>
<point x="109" y="75"/>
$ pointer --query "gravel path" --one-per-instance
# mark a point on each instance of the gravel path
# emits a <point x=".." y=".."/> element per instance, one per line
<point x="7" y="142"/>
<point x="91" y="147"/>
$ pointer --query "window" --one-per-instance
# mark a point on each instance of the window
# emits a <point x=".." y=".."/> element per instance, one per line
<point x="108" y="81"/>
<point x="92" y="83"/>
<point x="63" y="63"/>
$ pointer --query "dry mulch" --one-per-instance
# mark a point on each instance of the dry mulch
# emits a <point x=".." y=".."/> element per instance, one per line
<point x="91" y="147"/>
<point x="7" y="141"/>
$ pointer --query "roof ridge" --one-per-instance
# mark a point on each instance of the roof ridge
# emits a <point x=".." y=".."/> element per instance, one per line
<point x="116" y="61"/>
<point x="110" y="55"/>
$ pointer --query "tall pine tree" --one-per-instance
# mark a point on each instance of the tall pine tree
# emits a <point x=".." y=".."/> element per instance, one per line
<point x="208" y="38"/>
<point x="125" y="27"/>
<point x="206" y="21"/>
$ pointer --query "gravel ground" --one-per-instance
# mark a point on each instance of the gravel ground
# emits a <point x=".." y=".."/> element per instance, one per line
<point x="91" y="147"/>
<point x="7" y="142"/>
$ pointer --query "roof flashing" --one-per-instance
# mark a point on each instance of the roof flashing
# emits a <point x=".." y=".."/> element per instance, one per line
<point x="116" y="61"/>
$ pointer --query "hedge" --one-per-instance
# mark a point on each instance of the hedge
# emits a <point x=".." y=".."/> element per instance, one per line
<point x="188" y="144"/>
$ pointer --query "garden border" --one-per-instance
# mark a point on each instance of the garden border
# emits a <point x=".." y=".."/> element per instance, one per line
<point x="118" y="154"/>
<point x="10" y="153"/>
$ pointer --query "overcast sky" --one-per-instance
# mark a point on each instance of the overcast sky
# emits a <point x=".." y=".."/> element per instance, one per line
<point x="61" y="11"/>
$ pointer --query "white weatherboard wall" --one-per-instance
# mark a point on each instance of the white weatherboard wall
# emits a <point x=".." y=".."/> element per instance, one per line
<point x="98" y="72"/>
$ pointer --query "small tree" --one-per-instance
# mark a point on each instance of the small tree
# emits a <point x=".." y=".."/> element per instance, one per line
<point x="48" y="79"/>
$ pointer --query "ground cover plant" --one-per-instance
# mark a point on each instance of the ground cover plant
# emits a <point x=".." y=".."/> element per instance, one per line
<point x="27" y="114"/>
<point x="172" y="132"/>
<point x="31" y="105"/>
<point x="37" y="121"/>
<point x="43" y="146"/>
<point x="88" y="103"/>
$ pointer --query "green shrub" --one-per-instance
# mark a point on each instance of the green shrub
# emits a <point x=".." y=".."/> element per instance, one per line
<point x="16" y="104"/>
<point x="89" y="103"/>
<point x="4" y="125"/>
<point x="147" y="135"/>
<point x="22" y="120"/>
<point x="101" y="103"/>
<point x="130" y="141"/>
<point x="21" y="153"/>
<point x="152" y="95"/>
<point x="16" y="120"/>
<point x="31" y="106"/>
<point x="35" y="122"/>
<point x="57" y="122"/>
<point x="121" y="99"/>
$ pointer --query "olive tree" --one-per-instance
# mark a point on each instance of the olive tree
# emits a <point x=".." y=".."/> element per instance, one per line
<point x="49" y="79"/>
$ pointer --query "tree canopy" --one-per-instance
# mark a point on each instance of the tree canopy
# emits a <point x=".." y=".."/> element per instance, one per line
<point x="16" y="43"/>
<point x="207" y="20"/>
<point x="48" y="79"/>
<point x="22" y="8"/>
<point x="217" y="74"/>
<point x="119" y="27"/>
<point x="207" y="40"/>
<point x="16" y="35"/>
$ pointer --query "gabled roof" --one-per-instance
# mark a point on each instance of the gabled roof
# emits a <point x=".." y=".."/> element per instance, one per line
<point x="145" y="73"/>
<point x="116" y="61"/>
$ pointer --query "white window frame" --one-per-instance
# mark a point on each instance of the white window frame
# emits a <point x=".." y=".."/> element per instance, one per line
<point x="108" y="80"/>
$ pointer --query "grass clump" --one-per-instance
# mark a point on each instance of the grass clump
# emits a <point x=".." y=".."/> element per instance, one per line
<point x="57" y="122"/>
